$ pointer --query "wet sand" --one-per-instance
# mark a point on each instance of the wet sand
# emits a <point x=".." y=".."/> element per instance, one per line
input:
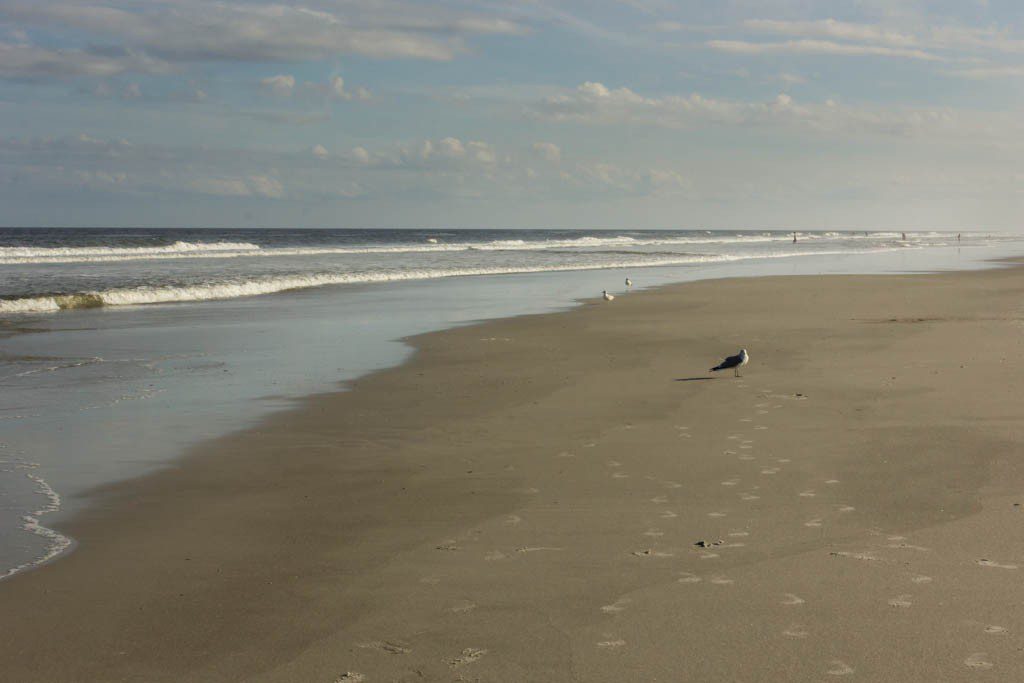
<point x="521" y="502"/>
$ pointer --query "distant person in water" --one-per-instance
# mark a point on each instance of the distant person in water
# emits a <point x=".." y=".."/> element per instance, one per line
<point x="904" y="236"/>
<point x="958" y="237"/>
<point x="794" y="238"/>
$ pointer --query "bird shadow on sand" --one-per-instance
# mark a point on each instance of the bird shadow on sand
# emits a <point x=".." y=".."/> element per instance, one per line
<point x="691" y="379"/>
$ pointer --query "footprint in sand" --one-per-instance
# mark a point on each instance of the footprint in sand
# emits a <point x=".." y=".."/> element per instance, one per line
<point x="728" y="452"/>
<point x="746" y="456"/>
<point x="783" y="460"/>
<point x="620" y="475"/>
<point x="734" y="437"/>
<point x="908" y="546"/>
<point x="386" y="647"/>
<point x="807" y="494"/>
<point x="760" y="427"/>
<point x="720" y="580"/>
<point x="749" y="496"/>
<point x="654" y="533"/>
<point x="617" y="606"/>
<point x="746" y="419"/>
<point x="979" y="660"/>
<point x="831" y="481"/>
<point x="921" y="578"/>
<point x="513" y="520"/>
<point x="866" y="556"/>
<point x="495" y="555"/>
<point x="716" y="514"/>
<point x="660" y="500"/>
<point x="649" y="552"/>
<point x="687" y="577"/>
<point x="668" y="514"/>
<point x="902" y="600"/>
<point x="739" y="534"/>
<point x="730" y="482"/>
<point x="745" y="446"/>
<point x="792" y="599"/>
<point x="611" y="644"/>
<point x="770" y="470"/>
<point x="839" y="668"/>
<point x="995" y="630"/>
<point x="614" y="463"/>
<point x="462" y="607"/>
<point x="795" y="631"/>
<point x="566" y="454"/>
<point x="534" y="549"/>
<point x="846" y="508"/>
<point x="813" y="523"/>
<point x="350" y="677"/>
<point x="468" y="656"/>
<point x="673" y="485"/>
<point x="990" y="563"/>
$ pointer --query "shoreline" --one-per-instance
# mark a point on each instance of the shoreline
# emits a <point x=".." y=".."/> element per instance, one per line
<point x="447" y="395"/>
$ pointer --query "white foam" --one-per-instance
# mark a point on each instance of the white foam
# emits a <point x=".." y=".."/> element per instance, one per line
<point x="57" y="542"/>
<point x="225" y="250"/>
<point x="245" y="288"/>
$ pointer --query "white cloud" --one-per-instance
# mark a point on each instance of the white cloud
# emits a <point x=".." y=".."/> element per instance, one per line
<point x="830" y="28"/>
<point x="594" y="103"/>
<point x="360" y="155"/>
<point x="482" y="152"/>
<point x="281" y="85"/>
<point x="819" y="47"/>
<point x="194" y="30"/>
<point x="988" y="72"/>
<point x="451" y="148"/>
<point x="336" y="88"/>
<point x="20" y="61"/>
<point x="548" y="151"/>
<point x="320" y="152"/>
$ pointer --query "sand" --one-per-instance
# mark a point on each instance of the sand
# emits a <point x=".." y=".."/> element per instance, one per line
<point x="521" y="502"/>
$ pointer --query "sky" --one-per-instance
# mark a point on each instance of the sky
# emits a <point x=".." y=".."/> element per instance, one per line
<point x="800" y="114"/>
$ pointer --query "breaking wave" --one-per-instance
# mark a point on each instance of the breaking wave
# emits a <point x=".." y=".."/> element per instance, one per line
<point x="135" y="296"/>
<point x="224" y="250"/>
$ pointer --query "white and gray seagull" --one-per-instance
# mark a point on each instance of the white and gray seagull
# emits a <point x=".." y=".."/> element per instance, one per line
<point x="629" y="283"/>
<point x="734" y="362"/>
<point x="607" y="296"/>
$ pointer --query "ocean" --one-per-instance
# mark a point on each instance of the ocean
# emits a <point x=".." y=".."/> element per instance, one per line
<point x="120" y="348"/>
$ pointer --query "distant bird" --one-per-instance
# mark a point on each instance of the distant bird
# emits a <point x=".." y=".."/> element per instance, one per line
<point x="607" y="296"/>
<point x="734" y="362"/>
<point x="629" y="283"/>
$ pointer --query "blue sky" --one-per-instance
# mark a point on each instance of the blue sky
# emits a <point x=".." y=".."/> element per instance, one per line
<point x="606" y="113"/>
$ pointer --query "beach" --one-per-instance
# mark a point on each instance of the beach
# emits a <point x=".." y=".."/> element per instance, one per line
<point x="568" y="496"/>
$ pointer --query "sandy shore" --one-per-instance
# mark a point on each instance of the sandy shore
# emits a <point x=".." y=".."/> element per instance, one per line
<point x="521" y="501"/>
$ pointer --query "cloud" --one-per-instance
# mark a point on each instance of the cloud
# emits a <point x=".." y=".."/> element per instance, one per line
<point x="988" y="72"/>
<point x="198" y="31"/>
<point x="320" y="152"/>
<point x="281" y="85"/>
<point x="548" y="151"/>
<point x="596" y="104"/>
<point x="838" y="30"/>
<point x="336" y="88"/>
<point x="918" y="35"/>
<point x="28" y="62"/>
<point x="819" y="47"/>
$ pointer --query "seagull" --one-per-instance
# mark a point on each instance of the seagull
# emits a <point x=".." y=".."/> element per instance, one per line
<point x="607" y="296"/>
<point x="734" y="362"/>
<point x="629" y="283"/>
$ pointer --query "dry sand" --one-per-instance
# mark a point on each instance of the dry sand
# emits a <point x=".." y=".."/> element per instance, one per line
<point x="521" y="501"/>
